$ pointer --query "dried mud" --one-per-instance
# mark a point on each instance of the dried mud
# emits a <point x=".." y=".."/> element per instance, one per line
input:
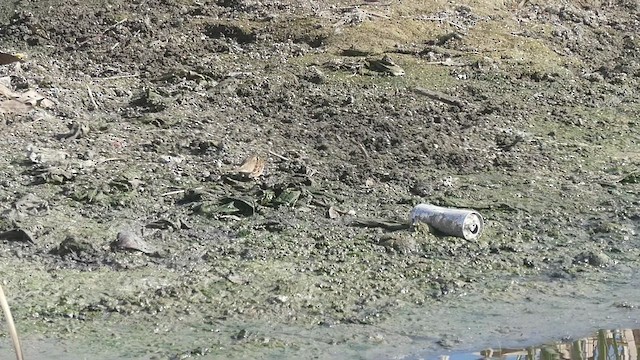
<point x="129" y="231"/>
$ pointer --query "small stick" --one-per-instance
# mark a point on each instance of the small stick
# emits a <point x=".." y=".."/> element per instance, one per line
<point x="279" y="156"/>
<point x="93" y="100"/>
<point x="111" y="159"/>
<point x="447" y="62"/>
<point x="442" y="20"/>
<point x="444" y="98"/>
<point x="114" y="26"/>
<point x="172" y="192"/>
<point x="362" y="148"/>
<point x="119" y="77"/>
<point x="11" y="325"/>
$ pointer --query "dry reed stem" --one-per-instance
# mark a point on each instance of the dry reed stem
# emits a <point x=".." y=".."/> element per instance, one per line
<point x="12" y="327"/>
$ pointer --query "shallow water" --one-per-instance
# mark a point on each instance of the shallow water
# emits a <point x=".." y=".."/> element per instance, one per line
<point x="524" y="320"/>
<point x="617" y="344"/>
<point x="457" y="329"/>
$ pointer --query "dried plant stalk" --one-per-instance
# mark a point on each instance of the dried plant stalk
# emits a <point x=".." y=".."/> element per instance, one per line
<point x="12" y="327"/>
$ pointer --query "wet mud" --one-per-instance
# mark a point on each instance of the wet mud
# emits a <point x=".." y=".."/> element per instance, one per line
<point x="208" y="178"/>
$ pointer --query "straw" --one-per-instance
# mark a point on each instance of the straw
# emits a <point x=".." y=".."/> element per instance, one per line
<point x="12" y="327"/>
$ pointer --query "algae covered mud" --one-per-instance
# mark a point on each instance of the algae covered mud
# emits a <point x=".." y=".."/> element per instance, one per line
<point x="234" y="178"/>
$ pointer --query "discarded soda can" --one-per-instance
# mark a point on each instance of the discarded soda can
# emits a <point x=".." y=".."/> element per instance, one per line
<point x="467" y="224"/>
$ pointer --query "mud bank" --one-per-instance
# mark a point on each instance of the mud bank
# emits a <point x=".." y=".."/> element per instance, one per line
<point x="261" y="160"/>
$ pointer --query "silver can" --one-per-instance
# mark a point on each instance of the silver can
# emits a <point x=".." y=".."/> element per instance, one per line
<point x="464" y="223"/>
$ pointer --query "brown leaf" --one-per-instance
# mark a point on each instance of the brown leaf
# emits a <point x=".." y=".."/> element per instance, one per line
<point x="21" y="102"/>
<point x="19" y="235"/>
<point x="13" y="107"/>
<point x="252" y="167"/>
<point x="34" y="99"/>
<point x="8" y="58"/>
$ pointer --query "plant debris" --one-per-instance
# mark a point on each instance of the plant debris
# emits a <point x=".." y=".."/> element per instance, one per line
<point x="9" y="58"/>
<point x="19" y="235"/>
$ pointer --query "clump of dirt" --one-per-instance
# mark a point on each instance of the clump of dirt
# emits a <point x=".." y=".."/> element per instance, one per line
<point x="238" y="144"/>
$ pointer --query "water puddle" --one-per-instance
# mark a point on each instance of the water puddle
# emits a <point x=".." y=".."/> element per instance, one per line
<point x="455" y="328"/>
<point x="620" y="344"/>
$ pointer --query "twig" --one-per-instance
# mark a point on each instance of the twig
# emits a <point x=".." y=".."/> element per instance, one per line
<point x="362" y="148"/>
<point x="104" y="32"/>
<point x="11" y="325"/>
<point x="120" y="77"/>
<point x="114" y="26"/>
<point x="447" y="62"/>
<point x="173" y="192"/>
<point x="93" y="100"/>
<point x="441" y="20"/>
<point x="444" y="98"/>
<point x="279" y="156"/>
<point x="102" y="161"/>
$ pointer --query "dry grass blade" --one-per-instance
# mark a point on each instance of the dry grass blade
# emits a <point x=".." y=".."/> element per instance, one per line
<point x="12" y="327"/>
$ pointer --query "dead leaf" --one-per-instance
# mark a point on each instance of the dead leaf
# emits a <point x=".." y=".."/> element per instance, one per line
<point x="32" y="98"/>
<point x="288" y="197"/>
<point x="239" y="205"/>
<point x="21" y="102"/>
<point x="6" y="92"/>
<point x="13" y="107"/>
<point x="8" y="58"/>
<point x="46" y="156"/>
<point x="333" y="213"/>
<point x="237" y="279"/>
<point x="252" y="167"/>
<point x="167" y="224"/>
<point x="31" y="204"/>
<point x="19" y="235"/>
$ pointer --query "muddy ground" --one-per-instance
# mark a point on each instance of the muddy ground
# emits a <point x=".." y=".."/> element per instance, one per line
<point x="130" y="228"/>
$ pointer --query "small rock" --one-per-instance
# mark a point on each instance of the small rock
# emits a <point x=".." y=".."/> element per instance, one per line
<point x="315" y="75"/>
<point x="333" y="213"/>
<point x="597" y="259"/>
